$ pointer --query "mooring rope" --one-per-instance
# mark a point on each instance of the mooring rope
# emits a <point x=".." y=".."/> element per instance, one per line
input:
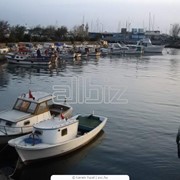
<point x="18" y="163"/>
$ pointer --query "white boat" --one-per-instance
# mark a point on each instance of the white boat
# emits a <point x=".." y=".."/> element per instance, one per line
<point x="148" y="47"/>
<point x="119" y="49"/>
<point x="29" y="109"/>
<point x="57" y="136"/>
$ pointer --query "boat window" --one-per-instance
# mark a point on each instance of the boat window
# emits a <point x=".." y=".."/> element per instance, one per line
<point x="26" y="123"/>
<point x="21" y="105"/>
<point x="18" y="104"/>
<point x="64" y="132"/>
<point x="50" y="103"/>
<point x="8" y="123"/>
<point x="32" y="107"/>
<point x="24" y="106"/>
<point x="42" y="108"/>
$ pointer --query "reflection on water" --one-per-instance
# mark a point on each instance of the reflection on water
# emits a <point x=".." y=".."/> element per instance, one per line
<point x="4" y="76"/>
<point x="21" y="70"/>
<point x="8" y="158"/>
<point x="172" y="51"/>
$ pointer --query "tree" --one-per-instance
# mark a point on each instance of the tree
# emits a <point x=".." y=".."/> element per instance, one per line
<point x="49" y="31"/>
<point x="17" y="33"/>
<point x="175" y="30"/>
<point x="61" y="33"/>
<point x="80" y="32"/>
<point x="37" y="31"/>
<point x="4" y="30"/>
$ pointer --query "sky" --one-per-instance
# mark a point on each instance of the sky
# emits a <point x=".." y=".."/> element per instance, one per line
<point x="101" y="15"/>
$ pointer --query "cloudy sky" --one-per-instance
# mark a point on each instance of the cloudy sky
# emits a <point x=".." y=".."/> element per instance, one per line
<point x="101" y="15"/>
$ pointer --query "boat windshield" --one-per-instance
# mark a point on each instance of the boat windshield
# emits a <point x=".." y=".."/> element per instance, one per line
<point x="25" y="106"/>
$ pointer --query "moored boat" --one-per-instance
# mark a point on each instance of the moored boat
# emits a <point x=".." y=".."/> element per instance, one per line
<point x="19" y="58"/>
<point x="148" y="47"/>
<point x="121" y="49"/>
<point x="29" y="109"/>
<point x="57" y="136"/>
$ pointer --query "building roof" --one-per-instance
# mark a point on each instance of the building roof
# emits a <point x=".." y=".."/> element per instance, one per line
<point x="37" y="96"/>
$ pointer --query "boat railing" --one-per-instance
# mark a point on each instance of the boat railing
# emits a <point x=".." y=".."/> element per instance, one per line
<point x="13" y="130"/>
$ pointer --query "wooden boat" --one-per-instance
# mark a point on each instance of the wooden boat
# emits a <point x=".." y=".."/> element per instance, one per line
<point x="29" y="109"/>
<point x="57" y="136"/>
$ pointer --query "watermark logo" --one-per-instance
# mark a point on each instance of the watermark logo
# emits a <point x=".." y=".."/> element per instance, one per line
<point x="84" y="90"/>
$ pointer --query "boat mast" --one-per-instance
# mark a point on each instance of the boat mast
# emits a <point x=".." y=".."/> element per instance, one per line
<point x="149" y="21"/>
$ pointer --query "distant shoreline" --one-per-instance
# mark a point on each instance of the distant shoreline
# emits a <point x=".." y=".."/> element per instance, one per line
<point x="170" y="45"/>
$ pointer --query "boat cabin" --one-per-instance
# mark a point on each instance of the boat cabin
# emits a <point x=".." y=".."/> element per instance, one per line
<point x="34" y="104"/>
<point x="29" y="109"/>
<point x="53" y="131"/>
<point x="37" y="103"/>
<point x="144" y="42"/>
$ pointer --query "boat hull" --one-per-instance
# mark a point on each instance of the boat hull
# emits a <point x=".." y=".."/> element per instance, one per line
<point x="37" y="61"/>
<point x="153" y="49"/>
<point x="29" y="154"/>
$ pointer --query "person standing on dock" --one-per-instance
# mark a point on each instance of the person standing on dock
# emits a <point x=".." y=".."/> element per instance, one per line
<point x="38" y="53"/>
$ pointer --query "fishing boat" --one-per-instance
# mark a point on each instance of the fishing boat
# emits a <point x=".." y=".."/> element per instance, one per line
<point x="29" y="109"/>
<point x="27" y="58"/>
<point x="57" y="136"/>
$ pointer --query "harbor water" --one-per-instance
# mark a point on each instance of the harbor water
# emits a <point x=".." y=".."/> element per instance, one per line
<point x="139" y="95"/>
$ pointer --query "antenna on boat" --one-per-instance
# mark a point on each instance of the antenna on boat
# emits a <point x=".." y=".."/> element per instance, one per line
<point x="93" y="113"/>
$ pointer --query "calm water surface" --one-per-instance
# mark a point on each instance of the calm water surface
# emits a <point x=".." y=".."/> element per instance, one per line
<point x="139" y="138"/>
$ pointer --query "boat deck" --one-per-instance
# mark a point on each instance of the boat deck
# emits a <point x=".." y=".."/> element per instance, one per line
<point x="87" y="123"/>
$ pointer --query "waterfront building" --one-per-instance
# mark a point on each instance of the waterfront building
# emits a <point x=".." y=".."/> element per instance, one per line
<point x="128" y="37"/>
